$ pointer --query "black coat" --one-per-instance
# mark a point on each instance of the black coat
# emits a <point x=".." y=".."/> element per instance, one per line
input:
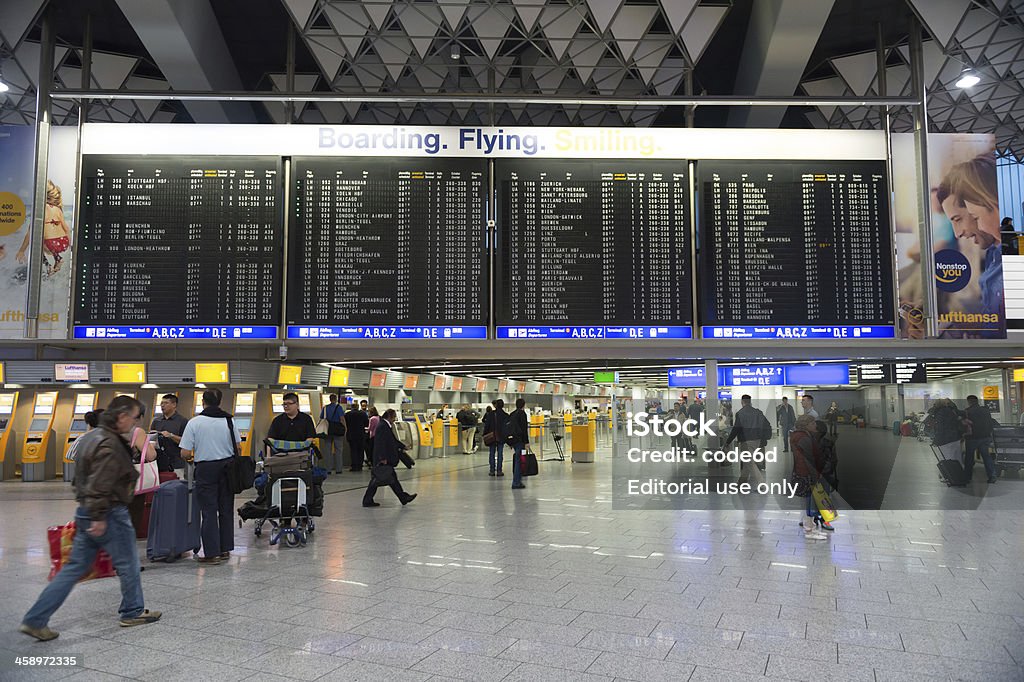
<point x="495" y="421"/>
<point x="385" y="445"/>
<point x="356" y="423"/>
<point x="520" y="430"/>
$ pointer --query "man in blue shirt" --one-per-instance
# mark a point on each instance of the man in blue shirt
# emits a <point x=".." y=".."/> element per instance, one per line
<point x="211" y="440"/>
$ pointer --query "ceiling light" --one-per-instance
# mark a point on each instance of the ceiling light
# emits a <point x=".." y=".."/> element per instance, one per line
<point x="968" y="79"/>
<point x="456" y="52"/>
<point x="3" y="86"/>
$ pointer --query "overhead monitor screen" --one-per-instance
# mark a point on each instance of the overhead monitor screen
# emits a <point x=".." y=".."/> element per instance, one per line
<point x="593" y="249"/>
<point x="179" y="247"/>
<point x="795" y="249"/>
<point x="388" y="248"/>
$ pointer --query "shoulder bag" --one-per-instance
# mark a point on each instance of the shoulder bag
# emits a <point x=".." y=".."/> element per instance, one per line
<point x="241" y="471"/>
<point x="149" y="472"/>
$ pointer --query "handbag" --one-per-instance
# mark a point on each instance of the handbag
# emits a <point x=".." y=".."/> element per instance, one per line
<point x="241" y="471"/>
<point x="384" y="473"/>
<point x="149" y="477"/>
<point x="528" y="465"/>
<point x="61" y="539"/>
<point x="490" y="438"/>
<point x="824" y="503"/>
<point x="323" y="428"/>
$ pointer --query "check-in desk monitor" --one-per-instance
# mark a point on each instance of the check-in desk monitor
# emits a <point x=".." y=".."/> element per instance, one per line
<point x="198" y="404"/>
<point x="245" y="404"/>
<point x="37" y="462"/>
<point x="305" y="403"/>
<point x="84" y="402"/>
<point x="8" y="404"/>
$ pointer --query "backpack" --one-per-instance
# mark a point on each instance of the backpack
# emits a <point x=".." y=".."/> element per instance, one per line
<point x="830" y="456"/>
<point x="765" y="427"/>
<point x="511" y="431"/>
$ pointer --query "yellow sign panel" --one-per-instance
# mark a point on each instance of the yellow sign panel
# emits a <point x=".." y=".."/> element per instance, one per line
<point x="211" y="372"/>
<point x="1" y="372"/>
<point x="1018" y="375"/>
<point x="289" y="374"/>
<point x="339" y="377"/>
<point x="129" y="372"/>
<point x="990" y="393"/>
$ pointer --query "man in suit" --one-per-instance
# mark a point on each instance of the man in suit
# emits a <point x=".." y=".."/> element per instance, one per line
<point x="385" y="456"/>
<point x="356" y="423"/>
<point x="785" y="419"/>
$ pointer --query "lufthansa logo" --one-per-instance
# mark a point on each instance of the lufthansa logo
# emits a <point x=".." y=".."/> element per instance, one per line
<point x="952" y="271"/>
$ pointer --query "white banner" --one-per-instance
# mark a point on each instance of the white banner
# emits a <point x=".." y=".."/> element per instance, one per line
<point x="429" y="141"/>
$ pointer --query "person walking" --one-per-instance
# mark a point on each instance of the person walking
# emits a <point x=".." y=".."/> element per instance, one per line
<point x="356" y="423"/>
<point x="750" y="429"/>
<point x="946" y="424"/>
<point x="832" y="418"/>
<point x="808" y="464"/>
<point x="979" y="439"/>
<point x="169" y="425"/>
<point x="386" y="449"/>
<point x="467" y="419"/>
<point x="371" y="430"/>
<point x="211" y="440"/>
<point x="518" y="437"/>
<point x="333" y="443"/>
<point x="807" y="402"/>
<point x="786" y="421"/>
<point x="494" y="423"/>
<point x="104" y="486"/>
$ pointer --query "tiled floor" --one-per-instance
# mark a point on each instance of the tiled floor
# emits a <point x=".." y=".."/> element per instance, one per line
<point x="476" y="582"/>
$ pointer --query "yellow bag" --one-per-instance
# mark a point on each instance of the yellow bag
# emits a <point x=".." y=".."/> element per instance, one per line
<point x="824" y="503"/>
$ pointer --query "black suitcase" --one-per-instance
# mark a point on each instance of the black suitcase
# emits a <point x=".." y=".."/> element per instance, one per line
<point x="171" y="530"/>
<point x="951" y="470"/>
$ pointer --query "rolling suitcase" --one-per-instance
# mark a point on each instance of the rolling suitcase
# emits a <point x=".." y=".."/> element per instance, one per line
<point x="141" y="507"/>
<point x="174" y="521"/>
<point x="951" y="470"/>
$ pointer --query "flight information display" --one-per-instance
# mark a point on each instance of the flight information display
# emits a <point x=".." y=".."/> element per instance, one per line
<point x="179" y="247"/>
<point x="388" y="248"/>
<point x="795" y="250"/>
<point x="593" y="249"/>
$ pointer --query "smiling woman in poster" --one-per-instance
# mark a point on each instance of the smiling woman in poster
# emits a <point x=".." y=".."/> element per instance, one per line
<point x="973" y="185"/>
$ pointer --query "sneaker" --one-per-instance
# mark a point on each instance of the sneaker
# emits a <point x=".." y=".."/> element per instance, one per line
<point x="144" y="618"/>
<point x="409" y="498"/>
<point x="490" y="473"/>
<point x="816" y="535"/>
<point x="500" y="473"/>
<point x="519" y="487"/>
<point x="823" y="524"/>
<point x="43" y="634"/>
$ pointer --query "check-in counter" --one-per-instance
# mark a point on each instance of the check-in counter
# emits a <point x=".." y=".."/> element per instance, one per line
<point x="38" y="449"/>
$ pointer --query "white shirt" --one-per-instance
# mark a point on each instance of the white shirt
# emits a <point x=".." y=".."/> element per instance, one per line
<point x="207" y="438"/>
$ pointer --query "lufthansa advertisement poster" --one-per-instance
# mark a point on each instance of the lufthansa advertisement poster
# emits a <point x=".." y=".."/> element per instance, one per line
<point x="964" y="205"/>
<point x="17" y="149"/>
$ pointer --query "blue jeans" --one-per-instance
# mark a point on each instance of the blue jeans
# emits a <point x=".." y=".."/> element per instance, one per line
<point x="981" y="446"/>
<point x="496" y="457"/>
<point x="119" y="542"/>
<point x="517" y="464"/>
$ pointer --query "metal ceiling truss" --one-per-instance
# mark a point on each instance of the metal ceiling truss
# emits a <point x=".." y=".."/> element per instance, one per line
<point x="986" y="36"/>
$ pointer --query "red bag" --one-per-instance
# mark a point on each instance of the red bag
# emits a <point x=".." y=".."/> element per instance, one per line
<point x="61" y="538"/>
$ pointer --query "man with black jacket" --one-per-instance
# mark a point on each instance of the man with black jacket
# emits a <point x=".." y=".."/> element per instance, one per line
<point x="104" y="486"/>
<point x="356" y="423"/>
<point x="292" y="424"/>
<point x="752" y="429"/>
<point x="518" y="438"/>
<point x="494" y="422"/>
<point x="386" y="449"/>
<point x="979" y="439"/>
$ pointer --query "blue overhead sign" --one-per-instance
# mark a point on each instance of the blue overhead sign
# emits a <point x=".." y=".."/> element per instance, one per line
<point x="173" y="333"/>
<point x="819" y="374"/>
<point x="595" y="332"/>
<point x="800" y="332"/>
<point x="385" y="332"/>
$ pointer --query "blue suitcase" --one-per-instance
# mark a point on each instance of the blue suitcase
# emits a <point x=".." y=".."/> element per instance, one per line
<point x="173" y="523"/>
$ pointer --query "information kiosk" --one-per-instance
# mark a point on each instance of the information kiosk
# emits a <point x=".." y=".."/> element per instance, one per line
<point x="245" y="407"/>
<point x="84" y="402"/>
<point x="426" y="436"/>
<point x="38" y="458"/>
<point x="8" y="405"/>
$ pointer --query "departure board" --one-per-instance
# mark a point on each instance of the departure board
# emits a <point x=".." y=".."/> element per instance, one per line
<point x="795" y="249"/>
<point x="388" y="248"/>
<point x="179" y="247"/>
<point x="593" y="249"/>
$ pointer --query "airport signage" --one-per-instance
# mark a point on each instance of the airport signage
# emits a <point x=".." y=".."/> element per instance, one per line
<point x="800" y="332"/>
<point x="173" y="333"/>
<point x="384" y="333"/>
<point x="817" y="374"/>
<point x="892" y="373"/>
<point x="595" y="332"/>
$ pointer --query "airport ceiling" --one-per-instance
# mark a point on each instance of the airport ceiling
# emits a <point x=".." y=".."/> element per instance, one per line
<point x="621" y="48"/>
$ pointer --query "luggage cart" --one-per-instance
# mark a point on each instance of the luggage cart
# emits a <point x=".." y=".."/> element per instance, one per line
<point x="1008" y="448"/>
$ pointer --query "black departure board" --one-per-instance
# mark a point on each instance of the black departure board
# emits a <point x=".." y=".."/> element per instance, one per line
<point x="388" y="241"/>
<point x="603" y="242"/>
<point x="180" y="241"/>
<point x="796" y="243"/>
